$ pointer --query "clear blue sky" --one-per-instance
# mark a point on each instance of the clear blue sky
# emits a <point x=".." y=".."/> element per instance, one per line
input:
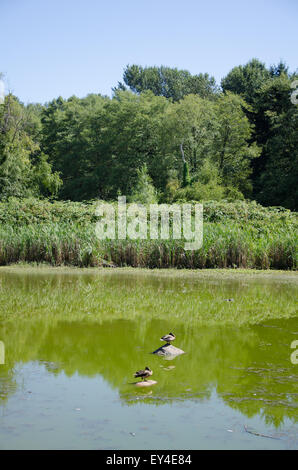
<point x="65" y="47"/>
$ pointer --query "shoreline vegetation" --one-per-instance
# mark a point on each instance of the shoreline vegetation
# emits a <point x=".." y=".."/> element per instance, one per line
<point x="241" y="234"/>
<point x="219" y="273"/>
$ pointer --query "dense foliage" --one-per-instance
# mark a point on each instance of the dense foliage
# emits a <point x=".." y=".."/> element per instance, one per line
<point x="165" y="135"/>
<point x="16" y="212"/>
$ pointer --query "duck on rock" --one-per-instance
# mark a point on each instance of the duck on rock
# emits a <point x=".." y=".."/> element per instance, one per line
<point x="168" y="338"/>
<point x="147" y="372"/>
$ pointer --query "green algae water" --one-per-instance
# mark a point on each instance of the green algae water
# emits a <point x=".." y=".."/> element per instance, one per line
<point x="73" y="340"/>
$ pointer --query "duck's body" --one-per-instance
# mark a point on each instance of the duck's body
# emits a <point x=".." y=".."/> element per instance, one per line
<point x="147" y="372"/>
<point x="168" y="338"/>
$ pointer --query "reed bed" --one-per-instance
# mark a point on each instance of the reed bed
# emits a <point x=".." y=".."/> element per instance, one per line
<point x="242" y="234"/>
<point x="225" y="245"/>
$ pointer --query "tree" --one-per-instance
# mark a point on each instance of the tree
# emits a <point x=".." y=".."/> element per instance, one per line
<point x="233" y="151"/>
<point x="98" y="143"/>
<point x="73" y="137"/>
<point x="272" y="116"/>
<point x="168" y="82"/>
<point x="217" y="132"/>
<point x="136" y="135"/>
<point x="276" y="180"/>
<point x="190" y="124"/>
<point x="24" y="170"/>
<point x="143" y="191"/>
<point x="246" y="80"/>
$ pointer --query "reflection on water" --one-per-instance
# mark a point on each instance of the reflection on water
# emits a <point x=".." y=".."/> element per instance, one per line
<point x="77" y="372"/>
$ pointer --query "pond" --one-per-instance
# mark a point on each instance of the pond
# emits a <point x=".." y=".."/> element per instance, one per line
<point x="73" y="340"/>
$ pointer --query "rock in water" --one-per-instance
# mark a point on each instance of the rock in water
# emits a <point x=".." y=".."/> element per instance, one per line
<point x="168" y="350"/>
<point x="145" y="383"/>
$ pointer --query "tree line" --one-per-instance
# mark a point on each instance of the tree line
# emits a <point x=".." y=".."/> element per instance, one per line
<point x="165" y="135"/>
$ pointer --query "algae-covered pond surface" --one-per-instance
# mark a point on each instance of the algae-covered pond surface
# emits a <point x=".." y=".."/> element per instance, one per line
<point x="74" y="338"/>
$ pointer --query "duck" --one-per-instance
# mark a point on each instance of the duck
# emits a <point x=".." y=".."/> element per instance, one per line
<point x="147" y="372"/>
<point x="168" y="338"/>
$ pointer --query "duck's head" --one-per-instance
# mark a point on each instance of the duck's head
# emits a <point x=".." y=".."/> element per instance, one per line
<point x="147" y="368"/>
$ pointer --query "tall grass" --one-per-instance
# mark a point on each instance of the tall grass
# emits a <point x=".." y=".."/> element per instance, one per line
<point x="240" y="234"/>
<point x="224" y="245"/>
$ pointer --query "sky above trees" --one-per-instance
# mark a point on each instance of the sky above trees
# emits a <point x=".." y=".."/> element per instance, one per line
<point x="74" y="48"/>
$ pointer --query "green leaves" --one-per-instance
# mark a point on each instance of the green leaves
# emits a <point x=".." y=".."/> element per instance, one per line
<point x="24" y="170"/>
<point x="143" y="191"/>
<point x="97" y="146"/>
<point x="168" y="82"/>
